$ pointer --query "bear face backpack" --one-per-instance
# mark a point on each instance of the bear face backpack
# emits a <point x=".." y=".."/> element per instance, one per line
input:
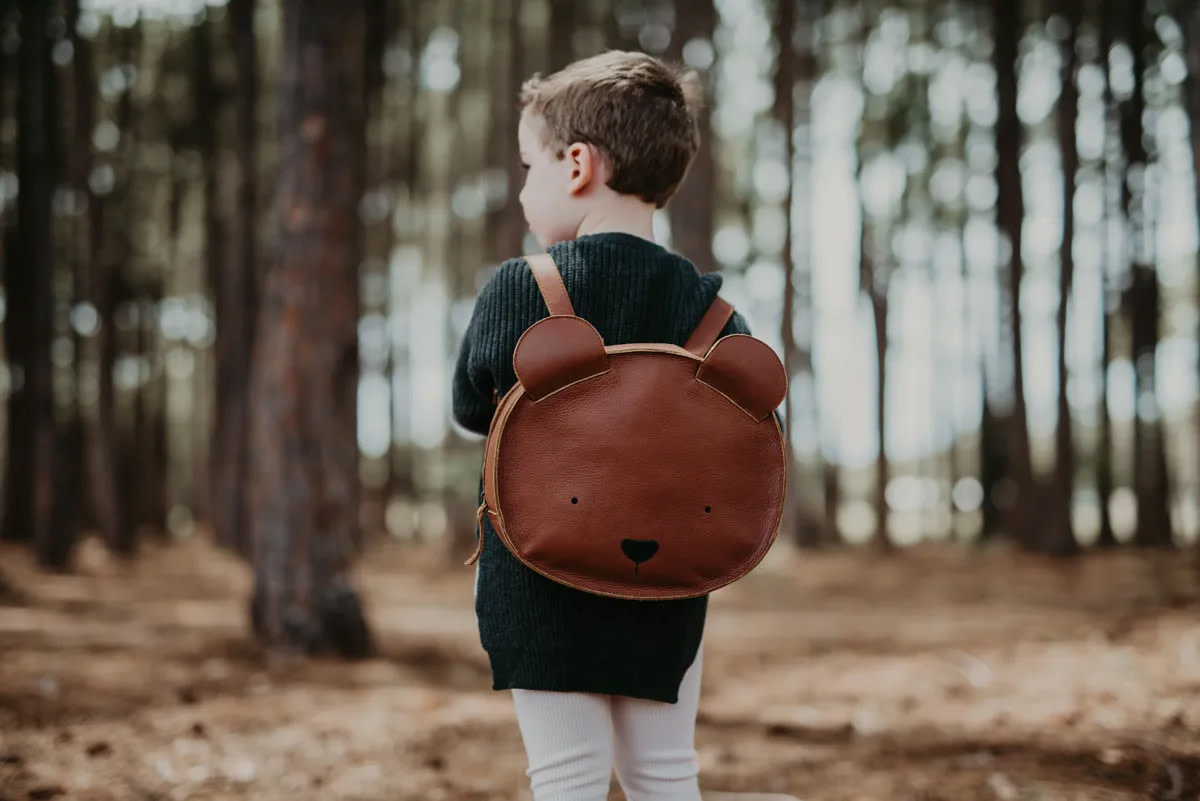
<point x="643" y="471"/>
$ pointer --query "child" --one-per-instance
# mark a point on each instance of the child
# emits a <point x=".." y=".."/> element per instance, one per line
<point x="597" y="682"/>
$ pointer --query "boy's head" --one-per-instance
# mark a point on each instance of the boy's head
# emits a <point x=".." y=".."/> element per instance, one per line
<point x="611" y="134"/>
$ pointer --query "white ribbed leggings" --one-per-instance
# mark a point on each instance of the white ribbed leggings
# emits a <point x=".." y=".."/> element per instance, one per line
<point x="574" y="740"/>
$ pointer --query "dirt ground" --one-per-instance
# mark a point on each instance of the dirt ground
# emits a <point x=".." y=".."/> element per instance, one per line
<point x="935" y="674"/>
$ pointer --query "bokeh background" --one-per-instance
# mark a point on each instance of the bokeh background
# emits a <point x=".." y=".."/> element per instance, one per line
<point x="970" y="229"/>
<point x="242" y="241"/>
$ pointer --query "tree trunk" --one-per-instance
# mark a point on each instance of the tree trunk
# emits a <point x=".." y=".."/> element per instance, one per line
<point x="1104" y="461"/>
<point x="879" y="306"/>
<point x="118" y="292"/>
<point x="796" y="62"/>
<point x="99" y="453"/>
<point x="561" y="28"/>
<point x="400" y="460"/>
<point x="831" y="485"/>
<point x="304" y="450"/>
<point x="32" y="288"/>
<point x="236" y="304"/>
<point x="458" y="250"/>
<point x="1059" y="534"/>
<point x="993" y="467"/>
<point x="785" y="113"/>
<point x="1010" y="213"/>
<point x="691" y="208"/>
<point x="148" y="499"/>
<point x="71" y="510"/>
<point x="379" y="26"/>
<point x="502" y="123"/>
<point x="1149" y="468"/>
<point x="28" y="242"/>
<point x="512" y="239"/>
<point x="874" y="276"/>
<point x="205" y="102"/>
<point x="874" y="288"/>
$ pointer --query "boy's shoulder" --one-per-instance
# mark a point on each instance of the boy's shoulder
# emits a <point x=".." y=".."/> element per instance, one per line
<point x="514" y="269"/>
<point x="509" y="273"/>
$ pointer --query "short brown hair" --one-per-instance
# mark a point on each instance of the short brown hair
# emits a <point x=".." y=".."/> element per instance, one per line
<point x="638" y="111"/>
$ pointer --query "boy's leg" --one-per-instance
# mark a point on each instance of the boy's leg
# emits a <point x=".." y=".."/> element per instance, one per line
<point x="569" y="742"/>
<point x="655" y="744"/>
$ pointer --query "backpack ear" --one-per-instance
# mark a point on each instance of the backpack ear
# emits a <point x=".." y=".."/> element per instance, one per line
<point x="747" y="371"/>
<point x="557" y="351"/>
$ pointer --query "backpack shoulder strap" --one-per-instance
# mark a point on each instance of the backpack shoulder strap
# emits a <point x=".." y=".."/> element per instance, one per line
<point x="710" y="327"/>
<point x="550" y="283"/>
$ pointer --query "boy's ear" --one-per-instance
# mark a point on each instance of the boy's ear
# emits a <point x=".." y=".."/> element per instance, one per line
<point x="584" y="163"/>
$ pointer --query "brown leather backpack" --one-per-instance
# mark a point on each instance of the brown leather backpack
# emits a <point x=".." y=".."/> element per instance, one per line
<point x="643" y="471"/>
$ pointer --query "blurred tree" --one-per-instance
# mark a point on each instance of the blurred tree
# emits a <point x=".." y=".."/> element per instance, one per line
<point x="20" y="322"/>
<point x="303" y="444"/>
<point x="380" y="24"/>
<point x="691" y="208"/>
<point x="1010" y="214"/>
<point x="380" y="174"/>
<point x="876" y="141"/>
<point x="831" y="471"/>
<point x="70" y="508"/>
<point x="795" y="68"/>
<point x="560" y="33"/>
<point x="1104" y="447"/>
<point x="147" y="274"/>
<point x="404" y="460"/>
<point x="993" y="466"/>
<point x="128" y="310"/>
<point x="993" y="432"/>
<point x="501" y="116"/>
<point x="1059" y="534"/>
<point x="459" y="249"/>
<point x="1142" y="303"/>
<point x="814" y="527"/>
<point x="236" y="301"/>
<point x="105" y="497"/>
<point x="506" y="221"/>
<point x="29" y="323"/>
<point x="207" y="99"/>
<point x="954" y="214"/>
<point x="147" y="442"/>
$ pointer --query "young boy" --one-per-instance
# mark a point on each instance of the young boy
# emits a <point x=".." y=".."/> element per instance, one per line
<point x="597" y="682"/>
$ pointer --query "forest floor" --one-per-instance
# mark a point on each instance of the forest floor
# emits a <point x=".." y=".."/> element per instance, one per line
<point x="932" y="675"/>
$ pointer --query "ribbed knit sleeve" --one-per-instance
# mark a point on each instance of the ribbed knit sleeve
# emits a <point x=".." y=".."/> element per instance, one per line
<point x="507" y="300"/>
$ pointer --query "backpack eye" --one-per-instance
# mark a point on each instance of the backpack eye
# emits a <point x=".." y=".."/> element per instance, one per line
<point x="707" y="509"/>
<point x="574" y="500"/>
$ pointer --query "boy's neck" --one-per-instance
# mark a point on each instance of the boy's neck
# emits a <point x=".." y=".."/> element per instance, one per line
<point x="638" y="224"/>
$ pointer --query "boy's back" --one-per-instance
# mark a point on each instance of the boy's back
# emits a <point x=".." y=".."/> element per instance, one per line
<point x="540" y="634"/>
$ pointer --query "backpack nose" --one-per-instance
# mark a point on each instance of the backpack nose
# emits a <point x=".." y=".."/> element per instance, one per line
<point x="639" y="551"/>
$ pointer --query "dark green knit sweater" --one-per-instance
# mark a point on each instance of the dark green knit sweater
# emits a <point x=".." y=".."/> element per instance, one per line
<point x="541" y="635"/>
